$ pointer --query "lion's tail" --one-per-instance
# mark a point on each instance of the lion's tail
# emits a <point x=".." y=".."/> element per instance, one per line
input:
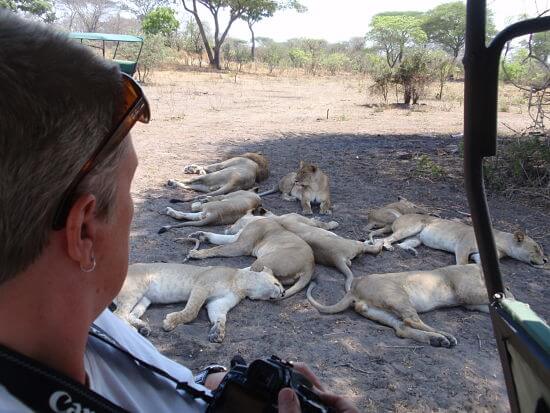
<point x="274" y="190"/>
<point x="303" y="281"/>
<point x="341" y="305"/>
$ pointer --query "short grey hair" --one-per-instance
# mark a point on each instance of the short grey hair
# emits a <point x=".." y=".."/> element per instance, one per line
<point x="57" y="101"/>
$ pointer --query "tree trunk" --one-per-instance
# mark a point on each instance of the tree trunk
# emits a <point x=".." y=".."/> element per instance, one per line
<point x="215" y="61"/>
<point x="253" y="47"/>
<point x="407" y="95"/>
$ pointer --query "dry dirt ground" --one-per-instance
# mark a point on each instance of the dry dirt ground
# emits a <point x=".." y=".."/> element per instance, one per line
<point x="373" y="155"/>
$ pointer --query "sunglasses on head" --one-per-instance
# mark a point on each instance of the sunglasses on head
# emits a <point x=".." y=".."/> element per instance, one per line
<point x="135" y="108"/>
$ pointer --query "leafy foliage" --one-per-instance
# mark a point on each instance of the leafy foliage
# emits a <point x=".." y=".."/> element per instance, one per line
<point x="392" y="34"/>
<point x="153" y="54"/>
<point x="162" y="20"/>
<point x="42" y="9"/>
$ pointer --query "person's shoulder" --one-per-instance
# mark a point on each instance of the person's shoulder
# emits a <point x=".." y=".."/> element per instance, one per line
<point x="139" y="346"/>
<point x="9" y="404"/>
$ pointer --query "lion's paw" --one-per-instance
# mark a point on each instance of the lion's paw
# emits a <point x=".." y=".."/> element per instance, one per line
<point x="145" y="331"/>
<point x="332" y="225"/>
<point x="200" y="235"/>
<point x="192" y="169"/>
<point x="216" y="334"/>
<point x="440" y="341"/>
<point x="170" y="322"/>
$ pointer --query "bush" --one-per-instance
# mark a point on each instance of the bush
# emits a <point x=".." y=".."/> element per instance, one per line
<point x="523" y="163"/>
<point x="335" y="62"/>
<point x="413" y="74"/>
<point x="154" y="53"/>
<point x="381" y="75"/>
<point x="272" y="55"/>
<point x="299" y="58"/>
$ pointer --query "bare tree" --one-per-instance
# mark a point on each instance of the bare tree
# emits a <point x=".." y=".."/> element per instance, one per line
<point x="236" y="9"/>
<point x="141" y="8"/>
<point x="88" y="15"/>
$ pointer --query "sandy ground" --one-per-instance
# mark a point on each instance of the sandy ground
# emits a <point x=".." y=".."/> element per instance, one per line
<point x="203" y="117"/>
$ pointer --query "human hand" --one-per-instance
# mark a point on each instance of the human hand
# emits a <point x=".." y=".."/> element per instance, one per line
<point x="213" y="380"/>
<point x="288" y="401"/>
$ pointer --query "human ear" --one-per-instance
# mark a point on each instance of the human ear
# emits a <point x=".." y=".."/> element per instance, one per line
<point x="80" y="230"/>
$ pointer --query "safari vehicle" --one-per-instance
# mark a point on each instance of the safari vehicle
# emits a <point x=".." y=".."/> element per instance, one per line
<point x="103" y="41"/>
<point x="523" y="338"/>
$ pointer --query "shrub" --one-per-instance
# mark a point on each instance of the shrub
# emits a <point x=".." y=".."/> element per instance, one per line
<point x="524" y="163"/>
<point x="153" y="54"/>
<point x="335" y="62"/>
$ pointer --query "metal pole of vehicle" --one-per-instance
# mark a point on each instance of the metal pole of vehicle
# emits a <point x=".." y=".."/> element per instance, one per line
<point x="479" y="138"/>
<point x="481" y="66"/>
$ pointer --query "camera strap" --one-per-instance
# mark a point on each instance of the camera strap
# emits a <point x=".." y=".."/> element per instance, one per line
<point x="43" y="389"/>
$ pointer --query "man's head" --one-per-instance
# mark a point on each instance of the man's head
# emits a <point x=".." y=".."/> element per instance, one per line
<point x="57" y="102"/>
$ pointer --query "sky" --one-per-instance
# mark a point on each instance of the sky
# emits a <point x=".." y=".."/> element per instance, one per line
<point x="340" y="20"/>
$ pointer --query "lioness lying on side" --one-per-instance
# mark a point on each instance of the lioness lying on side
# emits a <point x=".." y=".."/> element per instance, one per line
<point x="395" y="299"/>
<point x="216" y="210"/>
<point x="383" y="217"/>
<point x="290" y="258"/>
<point x="457" y="237"/>
<point x="222" y="288"/>
<point x="241" y="172"/>
<point x="328" y="248"/>
<point x="309" y="184"/>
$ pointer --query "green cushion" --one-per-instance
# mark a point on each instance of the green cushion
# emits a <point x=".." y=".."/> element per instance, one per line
<point x="126" y="66"/>
<point x="535" y="326"/>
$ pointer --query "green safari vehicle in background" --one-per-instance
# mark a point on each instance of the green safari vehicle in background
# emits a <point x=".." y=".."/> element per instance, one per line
<point x="126" y="57"/>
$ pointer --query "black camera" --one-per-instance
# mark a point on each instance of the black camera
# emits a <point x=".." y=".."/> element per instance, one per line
<point x="255" y="388"/>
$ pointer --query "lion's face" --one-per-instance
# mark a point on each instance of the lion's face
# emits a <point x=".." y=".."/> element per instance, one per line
<point x="527" y="250"/>
<point x="305" y="174"/>
<point x="266" y="286"/>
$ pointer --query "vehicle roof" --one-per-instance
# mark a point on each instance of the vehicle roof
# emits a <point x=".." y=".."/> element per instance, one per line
<point x="106" y="37"/>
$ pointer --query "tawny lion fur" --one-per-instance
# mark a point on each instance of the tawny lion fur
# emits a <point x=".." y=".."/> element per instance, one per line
<point x="221" y="288"/>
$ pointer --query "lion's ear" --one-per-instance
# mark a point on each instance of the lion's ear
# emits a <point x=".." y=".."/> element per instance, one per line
<point x="255" y="189"/>
<point x="313" y="168"/>
<point x="519" y="235"/>
<point x="260" y="210"/>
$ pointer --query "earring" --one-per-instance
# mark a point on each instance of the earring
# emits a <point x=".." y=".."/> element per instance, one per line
<point x="90" y="269"/>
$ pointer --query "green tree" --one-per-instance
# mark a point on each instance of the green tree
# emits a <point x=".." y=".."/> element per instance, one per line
<point x="445" y="26"/>
<point x="392" y="34"/>
<point x="42" y="9"/>
<point x="162" y="20"/>
<point x="236" y="9"/>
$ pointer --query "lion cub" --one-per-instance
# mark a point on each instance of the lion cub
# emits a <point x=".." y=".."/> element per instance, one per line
<point x="222" y="288"/>
<point x="309" y="184"/>
<point x="395" y="299"/>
